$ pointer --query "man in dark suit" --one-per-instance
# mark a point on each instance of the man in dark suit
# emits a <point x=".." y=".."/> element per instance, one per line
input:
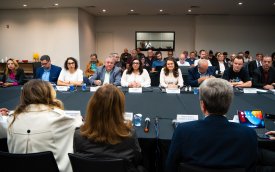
<point x="255" y="64"/>
<point x="199" y="73"/>
<point x="264" y="76"/>
<point x="107" y="74"/>
<point x="47" y="71"/>
<point x="213" y="141"/>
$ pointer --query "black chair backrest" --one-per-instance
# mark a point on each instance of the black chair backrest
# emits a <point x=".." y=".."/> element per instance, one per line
<point x="154" y="76"/>
<point x="184" y="69"/>
<point x="31" y="162"/>
<point x="191" y="168"/>
<point x="81" y="163"/>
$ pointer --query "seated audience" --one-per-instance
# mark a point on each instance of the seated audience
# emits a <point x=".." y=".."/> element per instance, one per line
<point x="192" y="58"/>
<point x="47" y="71"/>
<point x="70" y="75"/>
<point x="92" y="65"/>
<point x="105" y="133"/>
<point x="133" y="55"/>
<point x="149" y="60"/>
<point x="159" y="63"/>
<point x="3" y="122"/>
<point x="118" y="63"/>
<point x="182" y="60"/>
<point x="203" y="55"/>
<point x="107" y="74"/>
<point x="230" y="62"/>
<point x="39" y="124"/>
<point x="254" y="64"/>
<point x="199" y="73"/>
<point x="264" y="76"/>
<point x="139" y="53"/>
<point x="135" y="76"/>
<point x="13" y="74"/>
<point x="170" y="75"/>
<point x="247" y="57"/>
<point x="213" y="142"/>
<point x="237" y="75"/>
<point x="125" y="56"/>
<point x="222" y="65"/>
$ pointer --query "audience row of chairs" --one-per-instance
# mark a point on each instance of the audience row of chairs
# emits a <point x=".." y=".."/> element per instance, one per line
<point x="45" y="162"/>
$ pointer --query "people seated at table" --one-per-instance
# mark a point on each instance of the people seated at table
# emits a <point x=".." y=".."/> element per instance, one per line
<point x="199" y="73"/>
<point x="70" y="74"/>
<point x="221" y="64"/>
<point x="203" y="55"/>
<point x="158" y="63"/>
<point x="40" y="124"/>
<point x="264" y="76"/>
<point x="13" y="74"/>
<point x="237" y="75"/>
<point x="135" y="76"/>
<point x="254" y="64"/>
<point x="107" y="74"/>
<point x="213" y="142"/>
<point x="105" y="133"/>
<point x="170" y="75"/>
<point x="47" y="71"/>
<point x="92" y="65"/>
<point x="182" y="60"/>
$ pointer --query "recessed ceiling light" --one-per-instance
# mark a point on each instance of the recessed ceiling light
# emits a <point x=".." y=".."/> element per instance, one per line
<point x="189" y="11"/>
<point x="25" y="5"/>
<point x="274" y="3"/>
<point x="161" y="10"/>
<point x="240" y="3"/>
<point x="103" y="10"/>
<point x="132" y="10"/>
<point x="56" y="4"/>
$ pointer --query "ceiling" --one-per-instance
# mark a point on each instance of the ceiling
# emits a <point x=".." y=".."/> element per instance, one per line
<point x="152" y="7"/>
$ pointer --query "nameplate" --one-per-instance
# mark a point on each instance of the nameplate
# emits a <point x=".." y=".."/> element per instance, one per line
<point x="235" y="119"/>
<point x="128" y="116"/>
<point x="135" y="90"/>
<point x="172" y="91"/>
<point x="73" y="113"/>
<point x="93" y="89"/>
<point x="186" y="118"/>
<point x="250" y="90"/>
<point x="62" y="88"/>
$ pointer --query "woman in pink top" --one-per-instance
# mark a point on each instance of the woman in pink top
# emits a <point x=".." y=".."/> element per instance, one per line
<point x="13" y="75"/>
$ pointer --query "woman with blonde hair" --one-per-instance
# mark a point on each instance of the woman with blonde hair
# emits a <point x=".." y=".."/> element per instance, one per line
<point x="40" y="124"/>
<point x="13" y="74"/>
<point x="105" y="132"/>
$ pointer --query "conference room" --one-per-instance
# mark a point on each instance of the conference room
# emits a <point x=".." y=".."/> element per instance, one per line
<point x="80" y="28"/>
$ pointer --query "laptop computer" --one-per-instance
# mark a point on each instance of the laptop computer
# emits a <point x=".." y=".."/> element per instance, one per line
<point x="253" y="119"/>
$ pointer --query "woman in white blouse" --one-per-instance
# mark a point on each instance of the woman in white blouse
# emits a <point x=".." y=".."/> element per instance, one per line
<point x="70" y="75"/>
<point x="222" y="63"/>
<point x="170" y="75"/>
<point x="135" y="76"/>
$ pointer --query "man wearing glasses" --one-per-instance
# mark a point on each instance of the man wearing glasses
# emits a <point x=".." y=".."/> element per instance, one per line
<point x="47" y="71"/>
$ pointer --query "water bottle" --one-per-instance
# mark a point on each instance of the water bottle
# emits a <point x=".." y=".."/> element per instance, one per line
<point x="84" y="87"/>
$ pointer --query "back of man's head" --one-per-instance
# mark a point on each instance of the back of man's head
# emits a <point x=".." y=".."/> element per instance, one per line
<point x="217" y="95"/>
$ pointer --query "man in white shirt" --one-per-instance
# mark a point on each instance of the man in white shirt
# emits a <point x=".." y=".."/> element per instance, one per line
<point x="203" y="55"/>
<point x="182" y="61"/>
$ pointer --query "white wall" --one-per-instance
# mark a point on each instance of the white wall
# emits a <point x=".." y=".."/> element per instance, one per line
<point x="86" y="37"/>
<point x="45" y="31"/>
<point x="124" y="28"/>
<point x="219" y="33"/>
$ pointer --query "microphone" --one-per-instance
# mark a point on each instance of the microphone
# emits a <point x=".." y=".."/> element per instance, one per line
<point x="147" y="124"/>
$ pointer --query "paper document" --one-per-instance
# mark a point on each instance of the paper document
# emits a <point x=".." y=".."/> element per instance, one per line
<point x="186" y="118"/>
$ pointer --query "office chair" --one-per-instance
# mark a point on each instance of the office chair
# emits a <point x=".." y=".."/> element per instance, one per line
<point x="191" y="168"/>
<point x="31" y="162"/>
<point x="81" y="163"/>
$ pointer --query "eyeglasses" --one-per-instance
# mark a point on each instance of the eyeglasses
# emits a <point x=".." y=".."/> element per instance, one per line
<point x="137" y="63"/>
<point x="70" y="63"/>
<point x="43" y="64"/>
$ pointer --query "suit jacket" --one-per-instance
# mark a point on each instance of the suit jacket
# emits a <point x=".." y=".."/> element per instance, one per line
<point x="251" y="67"/>
<point x="258" y="78"/>
<point x="42" y="128"/>
<point x="54" y="73"/>
<point x="194" y="75"/>
<point x="20" y="76"/>
<point x="213" y="142"/>
<point x="115" y="75"/>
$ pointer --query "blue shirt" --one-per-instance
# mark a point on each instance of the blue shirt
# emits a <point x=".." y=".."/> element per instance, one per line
<point x="158" y="63"/>
<point x="191" y="61"/>
<point x="46" y="75"/>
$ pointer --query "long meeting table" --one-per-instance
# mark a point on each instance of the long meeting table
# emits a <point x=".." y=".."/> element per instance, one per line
<point x="154" y="103"/>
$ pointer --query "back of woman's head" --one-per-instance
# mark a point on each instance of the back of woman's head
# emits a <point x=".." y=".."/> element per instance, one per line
<point x="104" y="116"/>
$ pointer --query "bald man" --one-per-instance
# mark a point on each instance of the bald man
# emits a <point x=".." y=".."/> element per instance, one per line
<point x="199" y="73"/>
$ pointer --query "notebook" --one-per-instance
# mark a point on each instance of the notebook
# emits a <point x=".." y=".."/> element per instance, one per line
<point x="253" y="119"/>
